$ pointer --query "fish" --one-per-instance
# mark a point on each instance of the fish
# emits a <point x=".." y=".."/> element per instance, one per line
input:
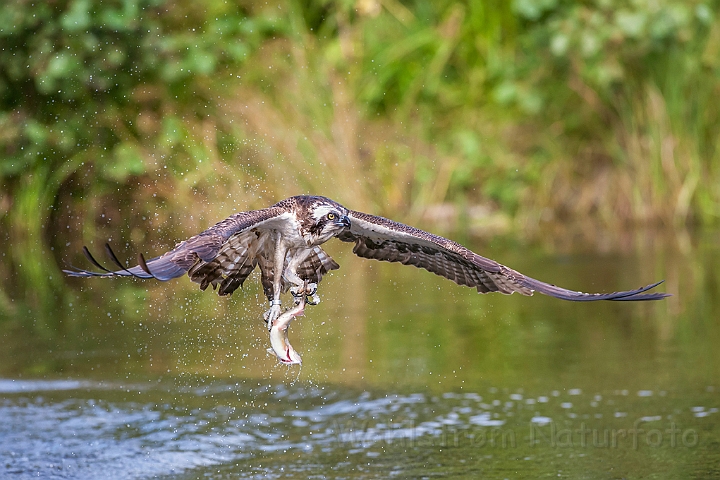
<point x="279" y="341"/>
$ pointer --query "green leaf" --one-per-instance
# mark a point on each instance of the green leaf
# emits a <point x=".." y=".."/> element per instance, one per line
<point x="127" y="161"/>
<point x="77" y="18"/>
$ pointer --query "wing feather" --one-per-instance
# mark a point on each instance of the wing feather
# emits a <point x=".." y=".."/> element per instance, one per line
<point x="317" y="264"/>
<point x="217" y="256"/>
<point x="225" y="254"/>
<point x="231" y="266"/>
<point x="383" y="239"/>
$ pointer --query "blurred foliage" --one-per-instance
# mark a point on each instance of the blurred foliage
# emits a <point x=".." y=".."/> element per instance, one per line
<point x="627" y="85"/>
<point x="95" y="94"/>
<point x="146" y="120"/>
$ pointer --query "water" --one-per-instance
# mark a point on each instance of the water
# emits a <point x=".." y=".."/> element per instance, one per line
<point x="405" y="375"/>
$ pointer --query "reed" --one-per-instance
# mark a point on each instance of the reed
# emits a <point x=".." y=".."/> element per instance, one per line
<point x="484" y="118"/>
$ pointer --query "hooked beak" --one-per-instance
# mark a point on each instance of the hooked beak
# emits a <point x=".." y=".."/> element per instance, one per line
<point x="344" y="221"/>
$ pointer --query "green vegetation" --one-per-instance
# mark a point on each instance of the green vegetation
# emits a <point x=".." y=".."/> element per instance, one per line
<point x="165" y="116"/>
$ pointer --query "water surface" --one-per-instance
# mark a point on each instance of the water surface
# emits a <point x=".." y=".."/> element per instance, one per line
<point x="405" y="374"/>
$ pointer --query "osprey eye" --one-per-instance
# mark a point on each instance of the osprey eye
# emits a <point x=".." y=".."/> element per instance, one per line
<point x="331" y="216"/>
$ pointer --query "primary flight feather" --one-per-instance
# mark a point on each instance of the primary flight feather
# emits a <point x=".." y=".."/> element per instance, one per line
<point x="284" y="242"/>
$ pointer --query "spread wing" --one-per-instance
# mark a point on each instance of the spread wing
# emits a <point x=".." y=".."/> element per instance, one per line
<point x="222" y="256"/>
<point x="386" y="240"/>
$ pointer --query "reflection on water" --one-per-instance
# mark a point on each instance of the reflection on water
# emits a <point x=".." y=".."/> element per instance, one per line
<point x="404" y="374"/>
<point x="72" y="429"/>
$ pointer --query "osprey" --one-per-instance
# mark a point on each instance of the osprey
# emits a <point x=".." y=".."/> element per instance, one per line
<point x="284" y="242"/>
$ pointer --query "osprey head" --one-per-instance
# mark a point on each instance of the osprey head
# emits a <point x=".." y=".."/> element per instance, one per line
<point x="326" y="220"/>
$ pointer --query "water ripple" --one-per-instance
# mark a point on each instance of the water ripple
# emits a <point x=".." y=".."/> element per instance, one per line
<point x="83" y="430"/>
